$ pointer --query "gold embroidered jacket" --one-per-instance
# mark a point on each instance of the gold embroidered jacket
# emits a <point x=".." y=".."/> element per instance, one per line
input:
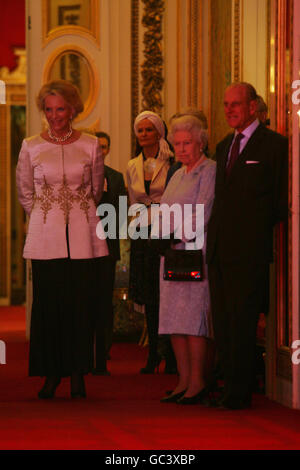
<point x="60" y="185"/>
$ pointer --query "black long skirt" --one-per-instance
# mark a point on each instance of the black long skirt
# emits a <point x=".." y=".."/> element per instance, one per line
<point x="144" y="273"/>
<point x="66" y="300"/>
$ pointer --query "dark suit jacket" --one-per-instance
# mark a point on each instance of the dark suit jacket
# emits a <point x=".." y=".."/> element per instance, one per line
<point x="115" y="188"/>
<point x="252" y="201"/>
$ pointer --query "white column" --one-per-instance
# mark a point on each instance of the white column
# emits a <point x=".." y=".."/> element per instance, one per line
<point x="119" y="87"/>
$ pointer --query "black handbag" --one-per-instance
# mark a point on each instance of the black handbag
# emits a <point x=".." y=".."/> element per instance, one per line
<point x="183" y="265"/>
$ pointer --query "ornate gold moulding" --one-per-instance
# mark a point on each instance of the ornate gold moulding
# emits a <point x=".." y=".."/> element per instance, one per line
<point x="18" y="75"/>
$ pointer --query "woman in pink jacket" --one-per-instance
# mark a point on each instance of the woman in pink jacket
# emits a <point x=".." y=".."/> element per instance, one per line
<point x="60" y="175"/>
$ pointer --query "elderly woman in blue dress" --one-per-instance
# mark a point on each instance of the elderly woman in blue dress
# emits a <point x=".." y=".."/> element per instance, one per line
<point x="184" y="305"/>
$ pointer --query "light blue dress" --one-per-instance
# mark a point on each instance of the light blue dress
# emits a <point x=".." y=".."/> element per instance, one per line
<point x="185" y="306"/>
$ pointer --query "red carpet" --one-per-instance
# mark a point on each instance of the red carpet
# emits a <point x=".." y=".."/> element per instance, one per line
<point x="123" y="411"/>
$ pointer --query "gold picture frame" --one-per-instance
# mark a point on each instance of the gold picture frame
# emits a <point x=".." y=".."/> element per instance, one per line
<point x="90" y="95"/>
<point x="68" y="20"/>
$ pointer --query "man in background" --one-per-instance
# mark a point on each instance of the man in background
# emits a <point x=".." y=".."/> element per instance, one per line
<point x="262" y="111"/>
<point x="113" y="188"/>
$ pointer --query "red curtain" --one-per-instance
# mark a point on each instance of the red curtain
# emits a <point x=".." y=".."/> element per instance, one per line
<point x="12" y="30"/>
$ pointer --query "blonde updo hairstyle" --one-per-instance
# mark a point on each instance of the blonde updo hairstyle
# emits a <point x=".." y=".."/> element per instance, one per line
<point x="66" y="90"/>
<point x="192" y="125"/>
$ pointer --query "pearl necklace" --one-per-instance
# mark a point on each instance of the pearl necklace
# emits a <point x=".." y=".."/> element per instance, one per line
<point x="60" y="139"/>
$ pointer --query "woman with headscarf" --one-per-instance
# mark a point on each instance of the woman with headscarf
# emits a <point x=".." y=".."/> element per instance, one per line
<point x="146" y="177"/>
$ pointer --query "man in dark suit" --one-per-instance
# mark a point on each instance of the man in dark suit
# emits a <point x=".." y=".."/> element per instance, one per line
<point x="113" y="188"/>
<point x="250" y="198"/>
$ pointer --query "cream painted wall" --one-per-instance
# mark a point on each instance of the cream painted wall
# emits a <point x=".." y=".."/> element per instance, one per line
<point x="254" y="44"/>
<point x="205" y="58"/>
<point x="179" y="39"/>
<point x="117" y="120"/>
<point x="34" y="64"/>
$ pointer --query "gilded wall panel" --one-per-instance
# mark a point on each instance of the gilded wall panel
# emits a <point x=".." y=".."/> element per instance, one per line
<point x="189" y="54"/>
<point x="194" y="53"/>
<point x="152" y="66"/>
<point x="236" y="40"/>
<point x="220" y="66"/>
<point x="134" y="67"/>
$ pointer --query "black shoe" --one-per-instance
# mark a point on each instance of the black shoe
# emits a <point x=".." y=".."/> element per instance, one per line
<point x="233" y="404"/>
<point x="77" y="386"/>
<point x="172" y="398"/>
<point x="152" y="366"/>
<point x="48" y="390"/>
<point x="195" y="399"/>
<point x="214" y="395"/>
<point x="236" y="405"/>
<point x="171" y="364"/>
<point x="170" y="369"/>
